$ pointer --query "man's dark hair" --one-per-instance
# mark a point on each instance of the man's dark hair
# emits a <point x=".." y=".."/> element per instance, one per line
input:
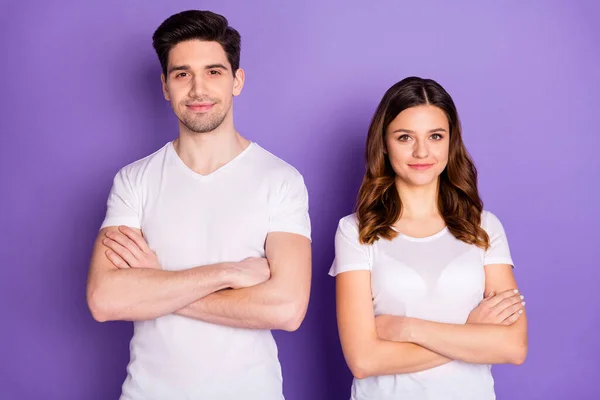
<point x="196" y="24"/>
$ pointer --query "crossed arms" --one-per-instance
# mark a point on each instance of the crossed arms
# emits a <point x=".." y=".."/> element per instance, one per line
<point x="126" y="282"/>
<point x="495" y="333"/>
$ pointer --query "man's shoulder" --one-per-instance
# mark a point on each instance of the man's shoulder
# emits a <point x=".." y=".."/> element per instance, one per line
<point x="137" y="168"/>
<point x="274" y="166"/>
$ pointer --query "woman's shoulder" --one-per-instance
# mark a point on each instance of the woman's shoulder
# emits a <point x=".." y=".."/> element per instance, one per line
<point x="490" y="222"/>
<point x="349" y="224"/>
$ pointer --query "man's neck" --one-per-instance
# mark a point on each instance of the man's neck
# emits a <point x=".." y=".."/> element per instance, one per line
<point x="204" y="153"/>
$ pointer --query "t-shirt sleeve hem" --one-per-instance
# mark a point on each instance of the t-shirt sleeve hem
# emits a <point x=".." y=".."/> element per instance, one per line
<point x="498" y="260"/>
<point x="117" y="221"/>
<point x="299" y="230"/>
<point x="335" y="269"/>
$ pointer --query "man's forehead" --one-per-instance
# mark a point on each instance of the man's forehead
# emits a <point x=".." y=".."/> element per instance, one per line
<point x="198" y="51"/>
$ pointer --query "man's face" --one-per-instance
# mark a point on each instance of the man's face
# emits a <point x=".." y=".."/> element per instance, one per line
<point x="200" y="84"/>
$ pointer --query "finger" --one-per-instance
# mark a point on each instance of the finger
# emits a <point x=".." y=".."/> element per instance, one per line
<point x="506" y="303"/>
<point x="507" y="312"/>
<point x="513" y="318"/>
<point x="121" y="251"/>
<point x="116" y="260"/>
<point x="124" y="241"/>
<point x="501" y="296"/>
<point x="488" y="296"/>
<point x="137" y="238"/>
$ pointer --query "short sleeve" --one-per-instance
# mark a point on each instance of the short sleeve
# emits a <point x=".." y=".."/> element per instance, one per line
<point x="499" y="251"/>
<point x="290" y="212"/>
<point x="122" y="206"/>
<point x="350" y="254"/>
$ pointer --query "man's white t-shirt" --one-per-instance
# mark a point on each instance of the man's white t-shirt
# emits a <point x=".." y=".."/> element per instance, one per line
<point x="191" y="220"/>
<point x="437" y="278"/>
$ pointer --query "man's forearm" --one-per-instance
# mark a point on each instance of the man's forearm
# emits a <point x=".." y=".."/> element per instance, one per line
<point x="256" y="307"/>
<point x="474" y="343"/>
<point x="141" y="294"/>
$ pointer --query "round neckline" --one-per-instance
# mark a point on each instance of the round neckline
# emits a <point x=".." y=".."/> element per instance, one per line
<point x="196" y="175"/>
<point x="421" y="239"/>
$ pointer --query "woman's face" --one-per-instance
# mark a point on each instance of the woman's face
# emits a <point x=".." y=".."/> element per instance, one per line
<point x="417" y="143"/>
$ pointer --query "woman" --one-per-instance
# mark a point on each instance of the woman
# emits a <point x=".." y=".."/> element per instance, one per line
<point x="426" y="297"/>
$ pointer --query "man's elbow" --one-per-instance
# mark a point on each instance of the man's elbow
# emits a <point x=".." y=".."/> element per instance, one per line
<point x="291" y="316"/>
<point x="98" y="305"/>
<point x="96" y="308"/>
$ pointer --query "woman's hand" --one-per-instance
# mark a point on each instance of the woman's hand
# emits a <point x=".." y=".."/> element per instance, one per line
<point x="503" y="308"/>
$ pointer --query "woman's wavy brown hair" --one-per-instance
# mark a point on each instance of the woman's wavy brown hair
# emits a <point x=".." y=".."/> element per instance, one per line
<point x="379" y="205"/>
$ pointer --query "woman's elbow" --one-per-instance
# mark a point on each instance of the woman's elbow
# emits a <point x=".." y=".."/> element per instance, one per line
<point x="361" y="361"/>
<point x="518" y="352"/>
<point x="520" y="355"/>
<point x="360" y="367"/>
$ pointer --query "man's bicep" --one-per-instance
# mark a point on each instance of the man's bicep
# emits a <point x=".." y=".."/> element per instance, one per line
<point x="289" y="257"/>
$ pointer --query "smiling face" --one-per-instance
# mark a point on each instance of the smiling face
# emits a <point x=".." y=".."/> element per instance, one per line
<point x="417" y="143"/>
<point x="200" y="85"/>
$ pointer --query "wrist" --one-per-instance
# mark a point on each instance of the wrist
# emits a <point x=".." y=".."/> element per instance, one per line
<point x="226" y="275"/>
<point x="411" y="330"/>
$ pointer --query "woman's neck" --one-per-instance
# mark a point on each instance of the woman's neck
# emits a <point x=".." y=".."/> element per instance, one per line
<point x="418" y="202"/>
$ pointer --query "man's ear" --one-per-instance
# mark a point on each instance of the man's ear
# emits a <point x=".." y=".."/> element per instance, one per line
<point x="165" y="89"/>
<point x="238" y="81"/>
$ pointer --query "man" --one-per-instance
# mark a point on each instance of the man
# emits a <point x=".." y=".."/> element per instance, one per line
<point x="206" y="242"/>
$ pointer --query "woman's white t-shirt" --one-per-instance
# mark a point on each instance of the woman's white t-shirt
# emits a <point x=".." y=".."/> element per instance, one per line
<point x="436" y="278"/>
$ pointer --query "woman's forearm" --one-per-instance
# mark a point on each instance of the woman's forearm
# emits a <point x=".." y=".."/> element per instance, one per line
<point x="474" y="343"/>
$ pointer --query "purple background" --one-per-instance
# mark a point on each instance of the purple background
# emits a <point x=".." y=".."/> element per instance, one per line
<point x="81" y="98"/>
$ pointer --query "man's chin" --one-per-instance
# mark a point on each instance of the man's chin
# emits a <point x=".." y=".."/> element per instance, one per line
<point x="196" y="127"/>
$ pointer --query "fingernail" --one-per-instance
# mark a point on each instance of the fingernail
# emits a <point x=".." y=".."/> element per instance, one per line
<point x="516" y="291"/>
<point x="520" y="311"/>
<point x="523" y="302"/>
<point x="522" y="297"/>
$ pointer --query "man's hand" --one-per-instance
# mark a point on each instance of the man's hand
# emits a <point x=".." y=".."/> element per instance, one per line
<point x="503" y="308"/>
<point x="128" y="249"/>
<point x="250" y="272"/>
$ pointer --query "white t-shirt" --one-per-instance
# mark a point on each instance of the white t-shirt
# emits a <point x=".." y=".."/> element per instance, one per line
<point x="191" y="220"/>
<point x="437" y="278"/>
